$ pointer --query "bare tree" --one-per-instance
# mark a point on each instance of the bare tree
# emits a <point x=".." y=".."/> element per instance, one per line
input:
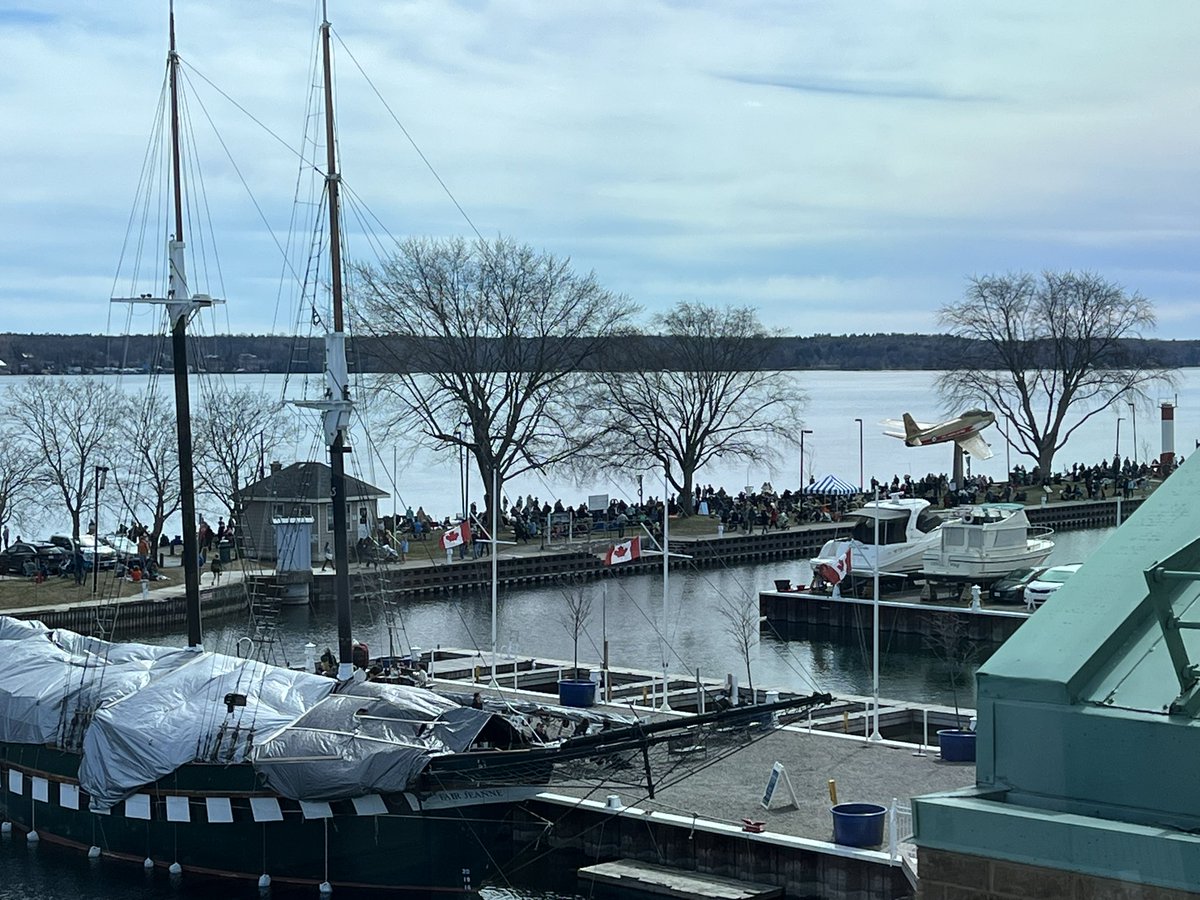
<point x="575" y="615"/>
<point x="949" y="641"/>
<point x="147" y="472"/>
<point x="18" y="473"/>
<point x="510" y="328"/>
<point x="71" y="425"/>
<point x="1040" y="348"/>
<point x="234" y="432"/>
<point x="710" y="404"/>
<point x="741" y="621"/>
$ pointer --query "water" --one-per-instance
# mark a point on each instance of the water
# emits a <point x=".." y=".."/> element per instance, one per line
<point x="420" y="478"/>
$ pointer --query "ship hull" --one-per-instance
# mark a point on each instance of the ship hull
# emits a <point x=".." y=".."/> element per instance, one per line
<point x="405" y="849"/>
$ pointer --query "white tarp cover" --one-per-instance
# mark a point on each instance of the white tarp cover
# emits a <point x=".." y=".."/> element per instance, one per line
<point x="158" y="708"/>
<point x="365" y="738"/>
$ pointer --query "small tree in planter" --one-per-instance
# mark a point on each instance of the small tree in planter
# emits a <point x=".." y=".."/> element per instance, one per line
<point x="574" y="618"/>
<point x="951" y="644"/>
<point x="740" y="617"/>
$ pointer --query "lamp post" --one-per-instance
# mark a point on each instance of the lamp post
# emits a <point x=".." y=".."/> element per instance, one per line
<point x="462" y="479"/>
<point x="803" y="432"/>
<point x="1117" y="452"/>
<point x="101" y="477"/>
<point x="860" y="454"/>
<point x="466" y="471"/>
<point x="1133" y="413"/>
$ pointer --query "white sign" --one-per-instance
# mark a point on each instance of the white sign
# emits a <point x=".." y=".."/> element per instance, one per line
<point x="778" y="772"/>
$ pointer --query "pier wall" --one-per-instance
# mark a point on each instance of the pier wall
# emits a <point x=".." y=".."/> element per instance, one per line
<point x="135" y="616"/>
<point x="802" y="868"/>
<point x="797" y="614"/>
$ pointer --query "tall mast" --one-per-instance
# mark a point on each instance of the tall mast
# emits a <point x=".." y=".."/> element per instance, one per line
<point x="181" y="304"/>
<point x="336" y="406"/>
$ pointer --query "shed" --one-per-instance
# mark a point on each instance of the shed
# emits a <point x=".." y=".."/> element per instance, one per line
<point x="302" y="490"/>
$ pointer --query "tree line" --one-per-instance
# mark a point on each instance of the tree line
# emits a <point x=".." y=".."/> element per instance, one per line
<point x="70" y="354"/>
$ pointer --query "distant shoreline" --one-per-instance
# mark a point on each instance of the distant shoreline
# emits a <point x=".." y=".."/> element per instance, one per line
<point x="86" y="354"/>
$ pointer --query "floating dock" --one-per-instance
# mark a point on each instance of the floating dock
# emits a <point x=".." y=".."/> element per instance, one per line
<point x="664" y="881"/>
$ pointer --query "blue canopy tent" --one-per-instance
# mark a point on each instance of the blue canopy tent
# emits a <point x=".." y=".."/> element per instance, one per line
<point x="830" y="485"/>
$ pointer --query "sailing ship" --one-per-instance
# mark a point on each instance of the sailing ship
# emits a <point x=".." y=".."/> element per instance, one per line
<point x="220" y="765"/>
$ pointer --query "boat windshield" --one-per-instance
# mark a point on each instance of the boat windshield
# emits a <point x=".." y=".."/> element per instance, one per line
<point x="892" y="529"/>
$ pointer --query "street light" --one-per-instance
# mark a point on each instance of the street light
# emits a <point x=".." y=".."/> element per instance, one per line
<point x="1133" y="412"/>
<point x="860" y="454"/>
<point x="466" y="482"/>
<point x="1117" y="452"/>
<point x="803" y="432"/>
<point x="101" y="477"/>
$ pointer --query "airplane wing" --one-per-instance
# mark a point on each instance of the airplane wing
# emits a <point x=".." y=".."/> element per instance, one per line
<point x="975" y="445"/>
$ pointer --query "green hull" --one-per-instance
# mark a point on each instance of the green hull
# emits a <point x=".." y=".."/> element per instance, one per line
<point x="451" y="850"/>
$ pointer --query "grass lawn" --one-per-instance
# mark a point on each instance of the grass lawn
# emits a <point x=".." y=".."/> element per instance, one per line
<point x="17" y="591"/>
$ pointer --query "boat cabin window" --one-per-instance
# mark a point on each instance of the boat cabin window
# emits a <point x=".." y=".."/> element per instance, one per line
<point x="927" y="521"/>
<point x="954" y="537"/>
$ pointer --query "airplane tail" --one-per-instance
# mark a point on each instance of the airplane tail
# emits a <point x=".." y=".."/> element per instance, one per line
<point x="911" y="428"/>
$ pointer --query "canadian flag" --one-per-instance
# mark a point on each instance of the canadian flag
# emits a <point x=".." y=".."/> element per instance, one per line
<point x="456" y="536"/>
<point x="836" y="572"/>
<point x="623" y="552"/>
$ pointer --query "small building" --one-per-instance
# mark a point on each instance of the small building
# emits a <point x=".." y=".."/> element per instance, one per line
<point x="302" y="490"/>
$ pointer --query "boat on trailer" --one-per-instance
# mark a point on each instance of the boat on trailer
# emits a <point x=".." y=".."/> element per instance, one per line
<point x="985" y="541"/>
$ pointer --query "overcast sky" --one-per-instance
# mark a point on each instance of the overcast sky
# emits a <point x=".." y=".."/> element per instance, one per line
<point x="842" y="167"/>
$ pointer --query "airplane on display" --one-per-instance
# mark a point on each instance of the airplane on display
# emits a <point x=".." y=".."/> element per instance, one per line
<point x="963" y="430"/>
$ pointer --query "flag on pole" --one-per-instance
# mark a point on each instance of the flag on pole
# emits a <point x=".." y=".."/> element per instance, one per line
<point x="453" y="537"/>
<point x="623" y="552"/>
<point x="835" y="573"/>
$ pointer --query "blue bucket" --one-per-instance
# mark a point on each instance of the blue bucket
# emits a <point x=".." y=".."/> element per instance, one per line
<point x="858" y="824"/>
<point x="956" y="745"/>
<point x="578" y="694"/>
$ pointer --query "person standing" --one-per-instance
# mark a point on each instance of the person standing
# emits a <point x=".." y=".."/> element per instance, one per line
<point x="328" y="560"/>
<point x="5" y="537"/>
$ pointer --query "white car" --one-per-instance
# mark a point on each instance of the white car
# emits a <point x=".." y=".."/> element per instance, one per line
<point x="90" y="549"/>
<point x="1047" y="583"/>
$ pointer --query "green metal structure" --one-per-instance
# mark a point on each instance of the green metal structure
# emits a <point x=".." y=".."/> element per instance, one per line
<point x="1088" y="752"/>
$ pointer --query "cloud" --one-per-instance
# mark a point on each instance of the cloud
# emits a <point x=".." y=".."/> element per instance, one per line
<point x="763" y="149"/>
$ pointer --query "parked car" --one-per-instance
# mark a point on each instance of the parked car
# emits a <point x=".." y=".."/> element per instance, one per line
<point x="26" y="558"/>
<point x="123" y="547"/>
<point x="1011" y="588"/>
<point x="91" y="549"/>
<point x="1047" y="583"/>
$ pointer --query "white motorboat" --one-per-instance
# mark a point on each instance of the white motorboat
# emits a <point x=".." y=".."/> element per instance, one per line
<point x="986" y="541"/>
<point x="907" y="528"/>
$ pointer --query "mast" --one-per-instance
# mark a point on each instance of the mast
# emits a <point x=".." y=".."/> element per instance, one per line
<point x="336" y="406"/>
<point x="180" y="305"/>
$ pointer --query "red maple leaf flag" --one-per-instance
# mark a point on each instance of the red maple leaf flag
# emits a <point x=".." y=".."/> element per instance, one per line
<point x="453" y="537"/>
<point x="835" y="573"/>
<point x="623" y="552"/>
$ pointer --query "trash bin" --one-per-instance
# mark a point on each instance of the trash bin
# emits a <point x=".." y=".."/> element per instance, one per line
<point x="225" y="551"/>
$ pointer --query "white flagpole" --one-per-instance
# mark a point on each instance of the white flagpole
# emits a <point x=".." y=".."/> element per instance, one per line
<point x="666" y="705"/>
<point x="495" y="560"/>
<point x="875" y="735"/>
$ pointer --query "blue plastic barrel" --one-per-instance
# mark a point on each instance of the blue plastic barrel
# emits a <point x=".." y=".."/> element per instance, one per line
<point x="578" y="694"/>
<point x="956" y="745"/>
<point x="858" y="824"/>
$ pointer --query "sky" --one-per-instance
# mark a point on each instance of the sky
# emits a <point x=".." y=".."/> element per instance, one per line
<point x="843" y="168"/>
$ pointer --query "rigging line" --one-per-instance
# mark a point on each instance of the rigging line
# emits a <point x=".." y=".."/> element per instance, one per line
<point x="410" y="138"/>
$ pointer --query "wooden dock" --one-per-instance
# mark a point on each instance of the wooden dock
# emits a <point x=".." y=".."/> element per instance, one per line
<point x="664" y="881"/>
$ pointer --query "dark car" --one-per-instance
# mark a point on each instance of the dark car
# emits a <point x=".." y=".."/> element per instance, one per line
<point x="1011" y="588"/>
<point x="25" y="558"/>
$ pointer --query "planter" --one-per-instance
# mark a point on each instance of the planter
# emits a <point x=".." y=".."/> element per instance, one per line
<point x="577" y="693"/>
<point x="957" y="746"/>
<point x="858" y="824"/>
<point x="783" y="584"/>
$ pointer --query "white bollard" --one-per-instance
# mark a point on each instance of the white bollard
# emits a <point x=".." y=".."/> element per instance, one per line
<point x="264" y="880"/>
<point x="93" y="852"/>
<point x="33" y="837"/>
<point x="147" y="863"/>
<point x="325" y="888"/>
<point x="5" y="827"/>
<point x="175" y="869"/>
<point x="976" y="596"/>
